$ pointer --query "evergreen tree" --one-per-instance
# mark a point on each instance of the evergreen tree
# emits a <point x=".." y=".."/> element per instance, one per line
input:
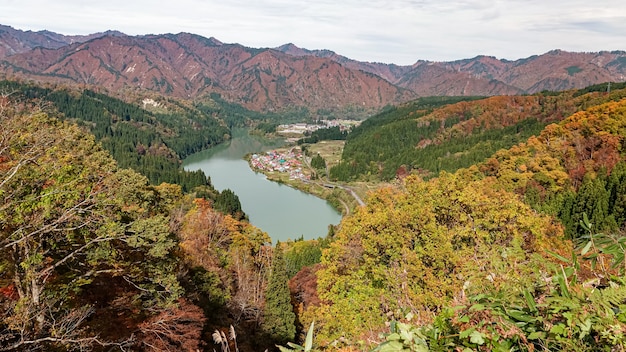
<point x="278" y="316"/>
<point x="593" y="199"/>
<point x="617" y="188"/>
<point x="318" y="162"/>
<point x="568" y="218"/>
<point x="228" y="202"/>
<point x="301" y="254"/>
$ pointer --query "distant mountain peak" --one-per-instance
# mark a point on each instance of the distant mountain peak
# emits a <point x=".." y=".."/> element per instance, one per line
<point x="288" y="46"/>
<point x="112" y="33"/>
<point x="292" y="49"/>
<point x="215" y="41"/>
<point x="191" y="66"/>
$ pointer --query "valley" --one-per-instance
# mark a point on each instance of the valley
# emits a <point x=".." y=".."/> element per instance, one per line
<point x="477" y="204"/>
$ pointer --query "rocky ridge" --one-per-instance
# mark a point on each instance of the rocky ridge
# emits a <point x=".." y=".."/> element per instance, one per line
<point x="278" y="79"/>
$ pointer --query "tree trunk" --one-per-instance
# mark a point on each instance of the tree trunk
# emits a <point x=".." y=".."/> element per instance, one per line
<point x="35" y="295"/>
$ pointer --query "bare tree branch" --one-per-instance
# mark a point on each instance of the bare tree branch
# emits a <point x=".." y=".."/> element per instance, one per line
<point x="84" y="341"/>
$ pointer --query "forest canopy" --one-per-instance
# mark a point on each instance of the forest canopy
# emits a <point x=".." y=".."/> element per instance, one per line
<point x="521" y="249"/>
<point x="94" y="257"/>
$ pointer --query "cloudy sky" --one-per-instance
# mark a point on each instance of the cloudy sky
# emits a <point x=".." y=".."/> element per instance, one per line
<point x="389" y="31"/>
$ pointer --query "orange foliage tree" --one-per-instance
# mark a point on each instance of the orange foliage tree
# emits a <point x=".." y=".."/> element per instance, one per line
<point x="230" y="259"/>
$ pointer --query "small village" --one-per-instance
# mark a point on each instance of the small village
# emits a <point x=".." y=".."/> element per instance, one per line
<point x="290" y="162"/>
<point x="304" y="128"/>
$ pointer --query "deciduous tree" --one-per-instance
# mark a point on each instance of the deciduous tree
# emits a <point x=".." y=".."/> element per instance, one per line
<point x="67" y="216"/>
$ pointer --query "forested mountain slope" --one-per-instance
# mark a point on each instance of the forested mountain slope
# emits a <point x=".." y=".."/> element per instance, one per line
<point x="427" y="139"/>
<point x="463" y="262"/>
<point x="152" y="142"/>
<point x="571" y="168"/>
<point x="95" y="258"/>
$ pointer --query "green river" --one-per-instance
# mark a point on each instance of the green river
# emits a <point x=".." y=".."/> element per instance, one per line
<point x="281" y="211"/>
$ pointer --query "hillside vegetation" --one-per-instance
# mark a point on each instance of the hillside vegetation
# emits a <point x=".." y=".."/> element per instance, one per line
<point x="463" y="262"/>
<point x="94" y="257"/>
<point x="521" y="249"/>
<point x="150" y="142"/>
<point x="440" y="134"/>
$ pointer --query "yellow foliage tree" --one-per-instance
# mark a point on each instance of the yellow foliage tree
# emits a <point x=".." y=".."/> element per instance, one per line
<point x="419" y="248"/>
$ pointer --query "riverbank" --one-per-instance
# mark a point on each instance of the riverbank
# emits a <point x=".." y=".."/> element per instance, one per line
<point x="283" y="212"/>
<point x="290" y="166"/>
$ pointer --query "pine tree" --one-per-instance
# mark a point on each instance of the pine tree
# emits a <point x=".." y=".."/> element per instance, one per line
<point x="278" y="316"/>
<point x="593" y="199"/>
<point x="318" y="162"/>
<point x="228" y="202"/>
<point x="617" y="188"/>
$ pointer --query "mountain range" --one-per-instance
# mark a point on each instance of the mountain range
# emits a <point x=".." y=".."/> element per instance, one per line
<point x="278" y="79"/>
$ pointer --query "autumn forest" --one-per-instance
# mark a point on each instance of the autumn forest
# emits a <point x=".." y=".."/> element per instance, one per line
<point x="496" y="224"/>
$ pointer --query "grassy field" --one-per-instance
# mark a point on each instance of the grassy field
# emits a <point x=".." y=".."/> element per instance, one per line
<point x="329" y="150"/>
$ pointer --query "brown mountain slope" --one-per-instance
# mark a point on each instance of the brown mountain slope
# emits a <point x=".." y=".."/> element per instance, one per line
<point x="155" y="63"/>
<point x="555" y="70"/>
<point x="443" y="81"/>
<point x="309" y="81"/>
<point x="485" y="75"/>
<point x="191" y="66"/>
<point x="186" y="65"/>
<point x="14" y="41"/>
<point x="389" y="72"/>
<point x="424" y="78"/>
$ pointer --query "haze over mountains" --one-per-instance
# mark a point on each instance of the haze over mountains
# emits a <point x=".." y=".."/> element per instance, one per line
<point x="277" y="79"/>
